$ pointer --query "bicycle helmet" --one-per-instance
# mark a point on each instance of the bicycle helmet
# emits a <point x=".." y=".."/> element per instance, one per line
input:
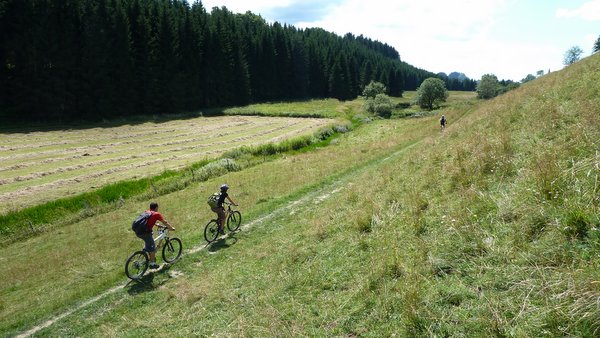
<point x="224" y="187"/>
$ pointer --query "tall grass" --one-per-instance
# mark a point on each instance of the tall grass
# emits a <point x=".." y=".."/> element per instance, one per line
<point x="313" y="108"/>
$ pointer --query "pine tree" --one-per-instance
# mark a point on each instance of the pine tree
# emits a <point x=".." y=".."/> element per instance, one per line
<point x="339" y="85"/>
<point x="121" y="67"/>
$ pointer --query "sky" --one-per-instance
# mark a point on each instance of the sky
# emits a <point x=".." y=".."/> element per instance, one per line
<point x="507" y="38"/>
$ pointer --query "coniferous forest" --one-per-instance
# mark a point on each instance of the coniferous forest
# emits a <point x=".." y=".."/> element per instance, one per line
<point x="90" y="59"/>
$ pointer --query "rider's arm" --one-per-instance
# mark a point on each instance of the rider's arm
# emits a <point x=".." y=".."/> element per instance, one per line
<point x="164" y="221"/>
<point x="168" y="225"/>
<point x="230" y="200"/>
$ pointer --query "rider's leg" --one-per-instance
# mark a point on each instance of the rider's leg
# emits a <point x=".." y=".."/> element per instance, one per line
<point x="220" y="217"/>
<point x="149" y="246"/>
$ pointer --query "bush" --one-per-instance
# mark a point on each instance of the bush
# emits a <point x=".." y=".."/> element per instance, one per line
<point x="298" y="143"/>
<point x="431" y="92"/>
<point x="572" y="55"/>
<point x="373" y="89"/>
<point x="488" y="87"/>
<point x="341" y="128"/>
<point x="217" y="168"/>
<point x="381" y="105"/>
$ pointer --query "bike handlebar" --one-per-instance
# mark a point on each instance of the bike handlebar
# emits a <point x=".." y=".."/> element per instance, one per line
<point x="163" y="227"/>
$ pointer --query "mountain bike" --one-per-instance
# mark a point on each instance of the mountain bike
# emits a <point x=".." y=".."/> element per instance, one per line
<point x="137" y="263"/>
<point x="234" y="220"/>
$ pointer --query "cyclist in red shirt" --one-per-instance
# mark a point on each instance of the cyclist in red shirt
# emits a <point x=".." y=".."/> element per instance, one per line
<point x="146" y="236"/>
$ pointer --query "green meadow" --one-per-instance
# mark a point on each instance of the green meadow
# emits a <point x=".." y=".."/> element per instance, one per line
<point x="488" y="228"/>
<point x="329" y="108"/>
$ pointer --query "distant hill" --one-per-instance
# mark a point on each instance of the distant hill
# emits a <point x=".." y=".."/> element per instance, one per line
<point x="458" y="76"/>
<point x="458" y="81"/>
<point x="453" y="76"/>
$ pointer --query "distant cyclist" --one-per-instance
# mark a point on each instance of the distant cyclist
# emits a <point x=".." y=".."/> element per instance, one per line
<point x="216" y="205"/>
<point x="443" y="122"/>
<point x="146" y="235"/>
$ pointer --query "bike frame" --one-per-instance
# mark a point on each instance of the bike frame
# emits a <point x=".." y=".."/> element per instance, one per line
<point x="227" y="210"/>
<point x="163" y="233"/>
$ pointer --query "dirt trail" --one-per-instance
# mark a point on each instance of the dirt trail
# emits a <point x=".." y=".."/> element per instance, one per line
<point x="46" y="324"/>
<point x="315" y="196"/>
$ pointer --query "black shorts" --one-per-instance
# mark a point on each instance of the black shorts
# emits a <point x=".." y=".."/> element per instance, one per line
<point x="149" y="245"/>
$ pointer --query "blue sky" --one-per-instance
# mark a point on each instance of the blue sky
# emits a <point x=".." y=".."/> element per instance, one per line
<point x="508" y="38"/>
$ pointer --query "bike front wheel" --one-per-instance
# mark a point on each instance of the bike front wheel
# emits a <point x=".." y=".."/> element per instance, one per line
<point x="171" y="250"/>
<point x="234" y="221"/>
<point x="136" y="265"/>
<point x="211" y="230"/>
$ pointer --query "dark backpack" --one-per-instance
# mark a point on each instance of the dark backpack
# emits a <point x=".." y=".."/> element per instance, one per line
<point x="213" y="199"/>
<point x="140" y="224"/>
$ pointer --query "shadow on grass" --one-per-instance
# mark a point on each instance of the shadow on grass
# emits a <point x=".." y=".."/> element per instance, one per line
<point x="17" y="125"/>
<point x="150" y="281"/>
<point x="222" y="243"/>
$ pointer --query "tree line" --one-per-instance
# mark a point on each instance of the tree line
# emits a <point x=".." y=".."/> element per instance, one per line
<point x="89" y="59"/>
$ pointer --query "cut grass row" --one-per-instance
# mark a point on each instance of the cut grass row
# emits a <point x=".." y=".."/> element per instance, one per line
<point x="173" y="152"/>
<point x="97" y="160"/>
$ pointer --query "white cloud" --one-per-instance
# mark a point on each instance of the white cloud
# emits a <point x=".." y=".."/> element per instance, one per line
<point x="588" y="11"/>
<point x="439" y="36"/>
<point x="425" y="18"/>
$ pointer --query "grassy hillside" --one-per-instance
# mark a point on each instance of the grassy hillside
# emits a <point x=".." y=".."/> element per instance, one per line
<point x="489" y="228"/>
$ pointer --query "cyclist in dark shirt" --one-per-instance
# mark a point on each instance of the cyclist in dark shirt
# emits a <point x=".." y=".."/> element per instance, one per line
<point x="219" y="209"/>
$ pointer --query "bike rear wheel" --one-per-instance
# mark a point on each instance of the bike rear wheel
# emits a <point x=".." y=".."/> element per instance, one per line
<point x="136" y="265"/>
<point x="211" y="230"/>
<point x="234" y="220"/>
<point x="171" y="250"/>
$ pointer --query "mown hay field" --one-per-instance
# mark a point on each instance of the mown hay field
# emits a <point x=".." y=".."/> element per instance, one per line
<point x="41" y="166"/>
